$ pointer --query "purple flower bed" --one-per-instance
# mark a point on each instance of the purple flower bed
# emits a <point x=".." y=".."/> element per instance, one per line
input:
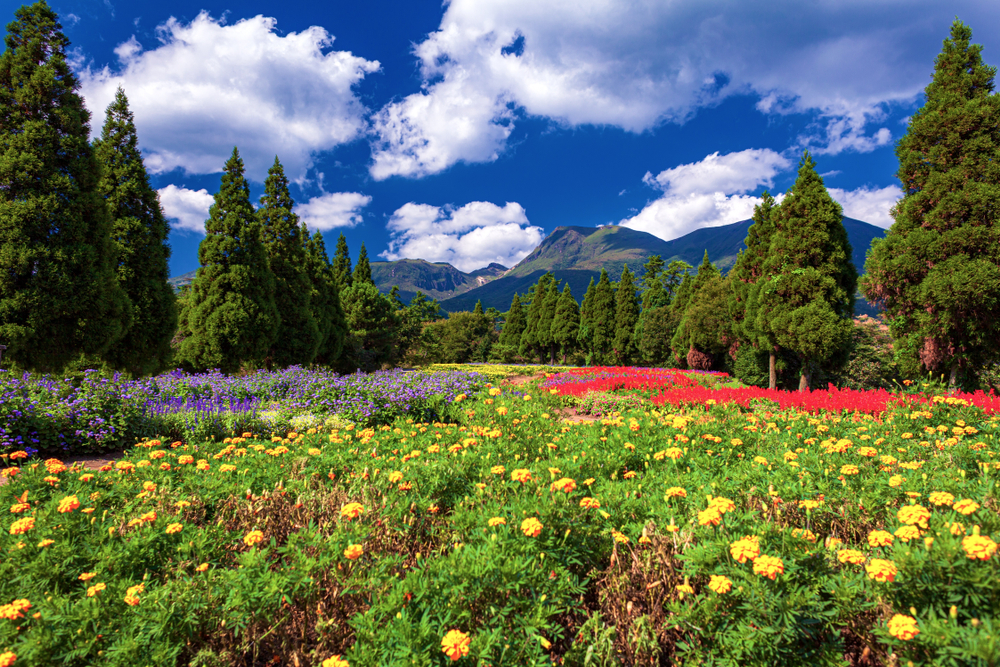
<point x="99" y="413"/>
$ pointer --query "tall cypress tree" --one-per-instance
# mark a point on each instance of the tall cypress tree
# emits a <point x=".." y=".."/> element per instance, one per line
<point x="566" y="323"/>
<point x="362" y="270"/>
<point x="298" y="334"/>
<point x="683" y="342"/>
<point x="59" y="296"/>
<point x="231" y="311"/>
<point x="584" y="336"/>
<point x="626" y="318"/>
<point x="324" y="300"/>
<point x="534" y="338"/>
<point x="342" y="264"/>
<point x="546" y="340"/>
<point x="139" y="231"/>
<point x="513" y="327"/>
<point x="937" y="271"/>
<point x="808" y="300"/>
<point x="603" y="319"/>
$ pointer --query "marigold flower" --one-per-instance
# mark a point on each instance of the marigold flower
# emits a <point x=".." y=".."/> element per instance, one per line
<point x="619" y="537"/>
<point x="354" y="551"/>
<point x="880" y="538"/>
<point x="684" y="588"/>
<point x="95" y="589"/>
<point x="7" y="658"/>
<point x="10" y="472"/>
<point x="744" y="549"/>
<point x="722" y="505"/>
<point x="87" y="576"/>
<point x="68" y="504"/>
<point x="227" y="467"/>
<point x="18" y="508"/>
<point x="22" y="526"/>
<point x="531" y="527"/>
<point x="497" y="521"/>
<point x="903" y="627"/>
<point x="15" y="609"/>
<point x="867" y="451"/>
<point x="676" y="492"/>
<point x="720" y="584"/>
<point x="395" y="476"/>
<point x="881" y="570"/>
<point x="810" y="504"/>
<point x="335" y="661"/>
<point x="86" y="477"/>
<point x="201" y="568"/>
<point x="185" y="459"/>
<point x="174" y="528"/>
<point x="352" y="511"/>
<point x="849" y="470"/>
<point x="45" y="543"/>
<point x="895" y="480"/>
<point x="498" y="470"/>
<point x="941" y="498"/>
<point x="709" y="516"/>
<point x="132" y="594"/>
<point x="564" y="484"/>
<point x="629" y="475"/>
<point x="966" y="506"/>
<point x="852" y="556"/>
<point x="253" y="537"/>
<point x="521" y="475"/>
<point x="979" y="547"/>
<point x="456" y="644"/>
<point x="590" y="503"/>
<point x="957" y="529"/>
<point x="148" y="516"/>
<point x="907" y="533"/>
<point x="769" y="566"/>
<point x="914" y="515"/>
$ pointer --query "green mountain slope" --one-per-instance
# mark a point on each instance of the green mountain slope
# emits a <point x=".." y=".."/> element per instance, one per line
<point x="437" y="280"/>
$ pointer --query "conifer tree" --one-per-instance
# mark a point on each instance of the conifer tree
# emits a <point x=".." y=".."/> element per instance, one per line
<point x="372" y="325"/>
<point x="139" y="231"/>
<point x="808" y="300"/>
<point x="534" y="340"/>
<point x="603" y="319"/>
<point x="937" y="271"/>
<point x="59" y="296"/>
<point x="626" y="318"/>
<point x="514" y="324"/>
<point x="342" y="264"/>
<point x="362" y="270"/>
<point x="324" y="300"/>
<point x="585" y="335"/>
<point x="298" y="336"/>
<point x="566" y="323"/>
<point x="684" y="341"/>
<point x="231" y="311"/>
<point x="747" y="275"/>
<point x="478" y="310"/>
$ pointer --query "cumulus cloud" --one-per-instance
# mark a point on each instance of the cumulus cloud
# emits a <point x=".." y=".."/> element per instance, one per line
<point x="187" y="209"/>
<point x="333" y="209"/>
<point x="209" y="86"/>
<point x="871" y="205"/>
<point x="468" y="238"/>
<point x="708" y="193"/>
<point x="634" y="65"/>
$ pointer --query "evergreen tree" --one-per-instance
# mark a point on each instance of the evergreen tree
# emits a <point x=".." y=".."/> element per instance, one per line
<point x="324" y="300"/>
<point x="937" y="271"/>
<point x="362" y="270"/>
<point x="372" y="325"/>
<point x="566" y="323"/>
<point x="673" y="276"/>
<point x="478" y="310"/>
<point x="747" y="274"/>
<point x="626" y="319"/>
<point x="658" y="329"/>
<point x="342" y="264"/>
<point x="706" y="330"/>
<point x="231" y="311"/>
<point x="683" y="341"/>
<point x="808" y="300"/>
<point x="534" y="340"/>
<point x="585" y="336"/>
<point x="59" y="296"/>
<point x="514" y="324"/>
<point x="298" y="337"/>
<point x="603" y="319"/>
<point x="651" y="271"/>
<point x="139" y="231"/>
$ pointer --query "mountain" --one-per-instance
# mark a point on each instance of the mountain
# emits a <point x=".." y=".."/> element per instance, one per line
<point x="575" y="254"/>
<point x="183" y="280"/>
<point x="438" y="280"/>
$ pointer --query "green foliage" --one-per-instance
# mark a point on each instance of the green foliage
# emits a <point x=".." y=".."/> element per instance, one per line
<point x="342" y="264"/>
<point x="508" y="345"/>
<point x="701" y="328"/>
<point x="59" y="293"/>
<point x="462" y="338"/>
<point x="324" y="300"/>
<point x="535" y="341"/>
<point x="602" y="321"/>
<point x="658" y="329"/>
<point x="937" y="272"/>
<point x="373" y="326"/>
<point x="872" y="364"/>
<point x="362" y="270"/>
<point x="231" y="312"/>
<point x="626" y="319"/>
<point x="566" y="323"/>
<point x="299" y="337"/>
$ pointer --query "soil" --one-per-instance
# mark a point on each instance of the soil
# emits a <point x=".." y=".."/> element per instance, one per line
<point x="568" y="414"/>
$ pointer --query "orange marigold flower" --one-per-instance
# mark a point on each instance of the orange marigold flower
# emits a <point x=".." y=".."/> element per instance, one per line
<point x="710" y="516"/>
<point x="174" y="528"/>
<point x="531" y="527"/>
<point x="87" y="576"/>
<point x="957" y="529"/>
<point x="45" y="543"/>
<point x="498" y="470"/>
<point x="881" y="570"/>
<point x="744" y="550"/>
<point x="456" y="644"/>
<point x="148" y="516"/>
<point x="629" y="475"/>
<point x="966" y="506"/>
<point x="17" y="508"/>
<point x="95" y="589"/>
<point x="336" y="661"/>
<point x="590" y="503"/>
<point x="907" y="533"/>
<point x="564" y="484"/>
<point x="852" y="556"/>
<point x="7" y="658"/>
<point x="201" y="568"/>
<point x="619" y="537"/>
<point x="497" y="521"/>
<point x="676" y="492"/>
<point x="941" y="498"/>
<point x="354" y="551"/>
<point x="903" y="627"/>
<point x="352" y="511"/>
<point x="132" y="594"/>
<point x="10" y="472"/>
<point x="849" y="470"/>
<point x="979" y="547"/>
<point x="914" y="515"/>
<point x="185" y="459"/>
<point x="68" y="504"/>
<point x="15" y="609"/>
<point x="722" y="505"/>
<point x="769" y="566"/>
<point x="880" y="538"/>
<point x="521" y="475"/>
<point x="720" y="584"/>
<point x="253" y="537"/>
<point x="22" y="526"/>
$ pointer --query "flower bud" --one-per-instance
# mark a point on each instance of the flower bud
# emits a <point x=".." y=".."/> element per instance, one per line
<point x="953" y="612"/>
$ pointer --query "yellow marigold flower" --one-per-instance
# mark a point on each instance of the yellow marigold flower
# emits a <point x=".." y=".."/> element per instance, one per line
<point x="849" y="470"/>
<point x="744" y="550"/>
<point x="164" y="466"/>
<point x="132" y="594"/>
<point x="810" y="504"/>
<point x="86" y="477"/>
<point x="501" y="411"/>
<point x="18" y="508"/>
<point x="895" y="481"/>
<point x="760" y="460"/>
<point x="335" y="661"/>
<point x="10" y="472"/>
<point x="881" y="570"/>
<point x="22" y="526"/>
<point x="68" y="504"/>
<point x="645" y="540"/>
<point x="709" y="517"/>
<point x="15" y="609"/>
<point x="723" y="505"/>
<point x="720" y="584"/>
<point x="495" y="391"/>
<point x="769" y="566"/>
<point x="735" y="442"/>
<point x="880" y="538"/>
<point x="521" y="475"/>
<point x="867" y="451"/>
<point x="852" y="556"/>
<point x="201" y="568"/>
<point x="87" y="576"/>
<point x="979" y="547"/>
<point x="527" y="397"/>
<point x="957" y="529"/>
<point x="203" y="465"/>
<point x="941" y="498"/>
<point x="352" y="511"/>
<point x="253" y="537"/>
<point x="395" y="476"/>
<point x="966" y="506"/>
<point x="456" y="644"/>
<point x="174" y="528"/>
<point x="804" y="533"/>
<point x="497" y="521"/>
<point x="619" y="537"/>
<point x="95" y="589"/>
<point x="676" y="492"/>
<point x="903" y="627"/>
<point x="227" y="467"/>
<point x="914" y="515"/>
<point x="45" y="543"/>
<point x="564" y="484"/>
<point x="590" y="503"/>
<point x="498" y="470"/>
<point x="531" y="527"/>
<point x="185" y="459"/>
<point x="684" y="588"/>
<point x="148" y="516"/>
<point x="148" y="486"/>
<point x="354" y="551"/>
<point x="907" y="533"/>
<point x="7" y="658"/>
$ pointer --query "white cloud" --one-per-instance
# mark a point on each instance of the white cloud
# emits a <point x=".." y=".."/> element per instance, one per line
<point x="468" y="238"/>
<point x="188" y="209"/>
<point x="871" y="205"/>
<point x="333" y="209"/>
<point x="637" y="64"/>
<point x="708" y="193"/>
<point x="210" y="86"/>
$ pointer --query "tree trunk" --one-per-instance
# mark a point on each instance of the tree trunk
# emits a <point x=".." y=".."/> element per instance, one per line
<point x="772" y="373"/>
<point x="953" y="378"/>
<point x="805" y="377"/>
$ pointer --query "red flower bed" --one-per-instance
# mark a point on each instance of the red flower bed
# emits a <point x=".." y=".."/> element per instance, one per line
<point x="580" y="381"/>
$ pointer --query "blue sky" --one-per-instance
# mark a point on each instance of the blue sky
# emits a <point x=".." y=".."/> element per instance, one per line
<point x="466" y="132"/>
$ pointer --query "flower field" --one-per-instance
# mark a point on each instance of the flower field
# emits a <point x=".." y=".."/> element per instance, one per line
<point x="695" y="534"/>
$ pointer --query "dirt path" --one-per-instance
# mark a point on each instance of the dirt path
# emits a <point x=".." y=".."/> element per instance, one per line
<point x="83" y="462"/>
